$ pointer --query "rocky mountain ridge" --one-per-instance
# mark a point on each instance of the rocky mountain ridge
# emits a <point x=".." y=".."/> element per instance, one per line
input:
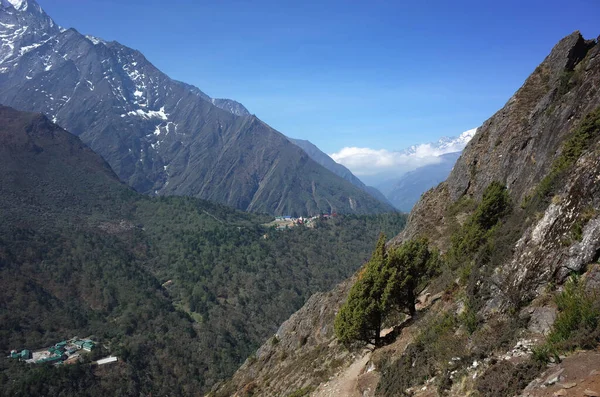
<point x="160" y="136"/>
<point x="489" y="320"/>
<point x="519" y="143"/>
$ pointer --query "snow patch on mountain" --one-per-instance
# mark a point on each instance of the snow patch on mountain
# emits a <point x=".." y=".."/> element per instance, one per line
<point x="149" y="114"/>
<point x="95" y="40"/>
<point x="28" y="48"/>
<point x="20" y="5"/>
<point x="9" y="39"/>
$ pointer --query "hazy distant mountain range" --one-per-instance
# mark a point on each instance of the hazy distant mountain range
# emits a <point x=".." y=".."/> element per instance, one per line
<point x="405" y="191"/>
<point x="161" y="136"/>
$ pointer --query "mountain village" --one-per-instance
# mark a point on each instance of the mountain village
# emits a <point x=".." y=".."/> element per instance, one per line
<point x="69" y="351"/>
<point x="287" y="221"/>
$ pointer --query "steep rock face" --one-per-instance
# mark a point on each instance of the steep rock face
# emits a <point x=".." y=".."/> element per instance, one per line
<point x="518" y="144"/>
<point x="518" y="147"/>
<point x="160" y="136"/>
<point x="548" y="251"/>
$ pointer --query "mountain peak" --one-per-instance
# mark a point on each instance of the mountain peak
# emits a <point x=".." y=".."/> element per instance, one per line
<point x="467" y="135"/>
<point x="442" y="146"/>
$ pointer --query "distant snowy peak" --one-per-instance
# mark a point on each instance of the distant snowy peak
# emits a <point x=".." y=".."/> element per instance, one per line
<point x="443" y="145"/>
<point x="456" y="142"/>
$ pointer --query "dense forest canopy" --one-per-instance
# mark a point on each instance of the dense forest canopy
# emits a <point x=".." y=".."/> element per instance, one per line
<point x="180" y="289"/>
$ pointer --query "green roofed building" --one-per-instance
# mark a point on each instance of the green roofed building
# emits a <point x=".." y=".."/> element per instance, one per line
<point x="55" y="351"/>
<point x="53" y="359"/>
<point x="88" y="345"/>
<point x="23" y="355"/>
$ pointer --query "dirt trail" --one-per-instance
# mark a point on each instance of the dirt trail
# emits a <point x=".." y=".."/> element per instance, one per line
<point x="349" y="383"/>
<point x="345" y="384"/>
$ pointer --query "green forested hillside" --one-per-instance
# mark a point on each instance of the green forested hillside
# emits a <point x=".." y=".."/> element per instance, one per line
<point x="181" y="290"/>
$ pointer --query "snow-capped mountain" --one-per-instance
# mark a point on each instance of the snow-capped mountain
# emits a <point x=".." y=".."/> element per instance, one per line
<point x="161" y="136"/>
<point x="24" y="26"/>
<point x="405" y="190"/>
<point x="28" y="33"/>
<point x="442" y="146"/>
<point x="375" y="166"/>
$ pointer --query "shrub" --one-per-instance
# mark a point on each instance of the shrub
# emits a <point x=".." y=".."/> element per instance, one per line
<point x="469" y="318"/>
<point x="507" y="379"/>
<point x="578" y="309"/>
<point x="305" y="391"/>
<point x="577" y="323"/>
<point x="494" y="204"/>
<point x="434" y="351"/>
<point x="579" y="140"/>
<point x="565" y="82"/>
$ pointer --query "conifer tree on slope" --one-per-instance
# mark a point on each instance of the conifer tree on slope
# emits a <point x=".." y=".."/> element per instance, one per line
<point x="387" y="282"/>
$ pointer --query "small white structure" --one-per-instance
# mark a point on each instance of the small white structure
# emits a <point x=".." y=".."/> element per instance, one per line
<point x="107" y="360"/>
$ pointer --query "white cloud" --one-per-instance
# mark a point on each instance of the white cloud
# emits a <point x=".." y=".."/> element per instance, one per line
<point x="368" y="162"/>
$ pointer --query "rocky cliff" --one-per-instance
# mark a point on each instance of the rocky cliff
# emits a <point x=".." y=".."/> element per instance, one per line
<point x="492" y="309"/>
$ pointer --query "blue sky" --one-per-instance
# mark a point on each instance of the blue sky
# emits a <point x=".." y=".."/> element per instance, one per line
<point x="369" y="74"/>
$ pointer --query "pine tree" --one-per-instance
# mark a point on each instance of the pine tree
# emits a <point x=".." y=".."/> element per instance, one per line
<point x="387" y="282"/>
